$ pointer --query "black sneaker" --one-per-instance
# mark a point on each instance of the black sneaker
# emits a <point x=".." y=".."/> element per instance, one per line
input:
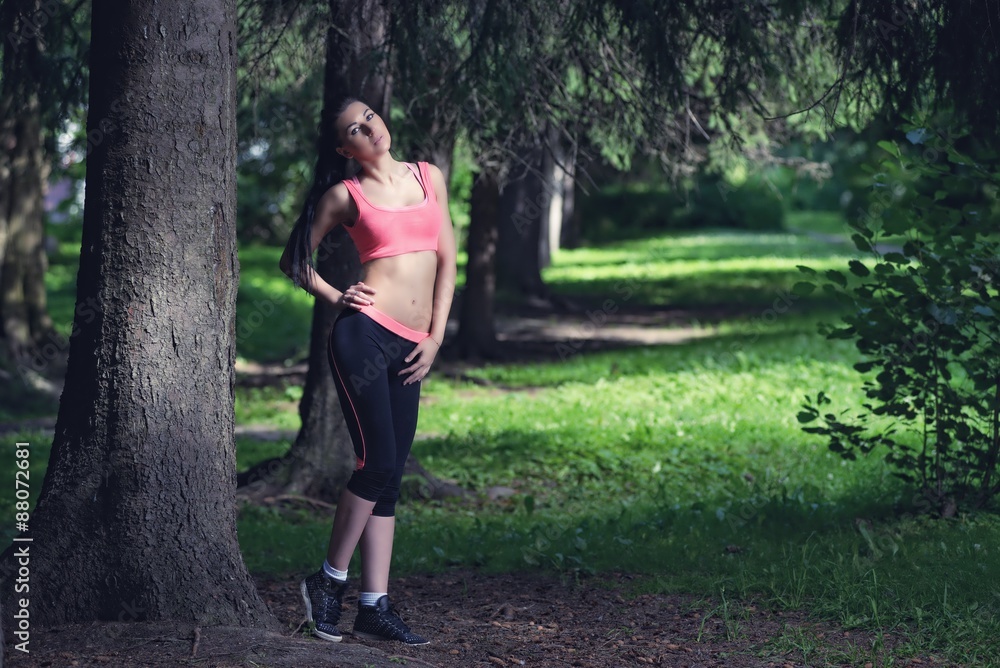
<point x="323" y="595"/>
<point x="381" y="622"/>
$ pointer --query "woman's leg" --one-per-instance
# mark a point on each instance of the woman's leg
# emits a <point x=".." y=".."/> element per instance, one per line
<point x="376" y="553"/>
<point x="380" y="413"/>
<point x="360" y="355"/>
<point x="376" y="543"/>
<point x="349" y="525"/>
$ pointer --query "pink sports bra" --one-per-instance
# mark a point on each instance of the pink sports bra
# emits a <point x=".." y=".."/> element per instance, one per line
<point x="382" y="232"/>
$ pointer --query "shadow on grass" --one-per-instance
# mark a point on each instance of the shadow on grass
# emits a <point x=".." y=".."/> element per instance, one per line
<point x="705" y="246"/>
<point x="750" y="342"/>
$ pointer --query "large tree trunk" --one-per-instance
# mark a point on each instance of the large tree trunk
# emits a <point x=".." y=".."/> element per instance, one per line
<point x="139" y="491"/>
<point x="25" y="324"/>
<point x="321" y="460"/>
<point x="476" y="334"/>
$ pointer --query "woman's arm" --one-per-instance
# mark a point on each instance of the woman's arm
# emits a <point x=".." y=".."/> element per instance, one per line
<point x="333" y="208"/>
<point x="444" y="284"/>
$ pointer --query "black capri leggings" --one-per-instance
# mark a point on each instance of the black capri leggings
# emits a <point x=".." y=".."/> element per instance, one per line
<point x="381" y="412"/>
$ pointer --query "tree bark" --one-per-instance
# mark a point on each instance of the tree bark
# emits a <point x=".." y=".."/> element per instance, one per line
<point x="139" y="491"/>
<point x="476" y="334"/>
<point x="24" y="319"/>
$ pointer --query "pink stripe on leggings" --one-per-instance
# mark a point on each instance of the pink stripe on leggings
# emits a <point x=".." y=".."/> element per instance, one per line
<point x="393" y="325"/>
<point x="360" y="464"/>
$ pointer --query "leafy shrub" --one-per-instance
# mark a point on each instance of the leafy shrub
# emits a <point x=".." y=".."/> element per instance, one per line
<point x="636" y="210"/>
<point x="753" y="205"/>
<point x="618" y="212"/>
<point x="927" y="318"/>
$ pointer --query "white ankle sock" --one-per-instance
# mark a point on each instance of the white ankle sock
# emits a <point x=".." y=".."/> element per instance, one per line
<point x="370" y="598"/>
<point x="333" y="572"/>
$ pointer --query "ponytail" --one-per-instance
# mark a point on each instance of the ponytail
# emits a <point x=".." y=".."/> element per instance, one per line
<point x="331" y="168"/>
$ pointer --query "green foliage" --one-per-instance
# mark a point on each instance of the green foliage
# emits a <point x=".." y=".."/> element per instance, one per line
<point x="280" y="80"/>
<point x="898" y="55"/>
<point x="926" y="316"/>
<point x="627" y="211"/>
<point x="272" y="314"/>
<point x="754" y="205"/>
<point x="640" y="209"/>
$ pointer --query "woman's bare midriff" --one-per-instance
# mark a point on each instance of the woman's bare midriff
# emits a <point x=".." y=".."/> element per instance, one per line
<point x="404" y="287"/>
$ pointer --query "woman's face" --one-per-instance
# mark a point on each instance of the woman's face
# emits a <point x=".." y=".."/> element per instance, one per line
<point x="362" y="133"/>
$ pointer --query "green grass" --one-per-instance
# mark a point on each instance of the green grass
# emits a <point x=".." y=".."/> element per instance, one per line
<point x="691" y="474"/>
<point x="273" y="316"/>
<point x="681" y="269"/>
<point x="683" y="464"/>
<point x="694" y="269"/>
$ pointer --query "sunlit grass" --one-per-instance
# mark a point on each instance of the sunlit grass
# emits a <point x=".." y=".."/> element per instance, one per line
<point x="688" y="469"/>
<point x="694" y="269"/>
<point x="702" y="245"/>
<point x="683" y="464"/>
<point x="665" y="421"/>
<point x="275" y="407"/>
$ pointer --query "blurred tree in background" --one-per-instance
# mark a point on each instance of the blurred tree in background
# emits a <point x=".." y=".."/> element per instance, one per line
<point x="44" y="82"/>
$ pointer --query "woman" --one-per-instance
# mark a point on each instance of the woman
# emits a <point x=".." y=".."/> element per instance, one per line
<point x="382" y="345"/>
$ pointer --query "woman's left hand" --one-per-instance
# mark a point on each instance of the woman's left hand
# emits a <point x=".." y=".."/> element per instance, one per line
<point x="424" y="353"/>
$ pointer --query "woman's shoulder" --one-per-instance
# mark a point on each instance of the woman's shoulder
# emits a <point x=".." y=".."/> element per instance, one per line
<point x="338" y="202"/>
<point x="429" y="166"/>
<point x="338" y="193"/>
<point x="433" y="171"/>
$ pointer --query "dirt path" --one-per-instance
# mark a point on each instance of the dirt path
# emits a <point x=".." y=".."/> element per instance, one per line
<point x="475" y="620"/>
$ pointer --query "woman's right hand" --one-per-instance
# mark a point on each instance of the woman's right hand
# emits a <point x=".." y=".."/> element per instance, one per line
<point x="356" y="296"/>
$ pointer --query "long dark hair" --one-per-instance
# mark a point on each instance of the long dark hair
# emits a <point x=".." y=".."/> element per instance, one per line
<point x="331" y="167"/>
